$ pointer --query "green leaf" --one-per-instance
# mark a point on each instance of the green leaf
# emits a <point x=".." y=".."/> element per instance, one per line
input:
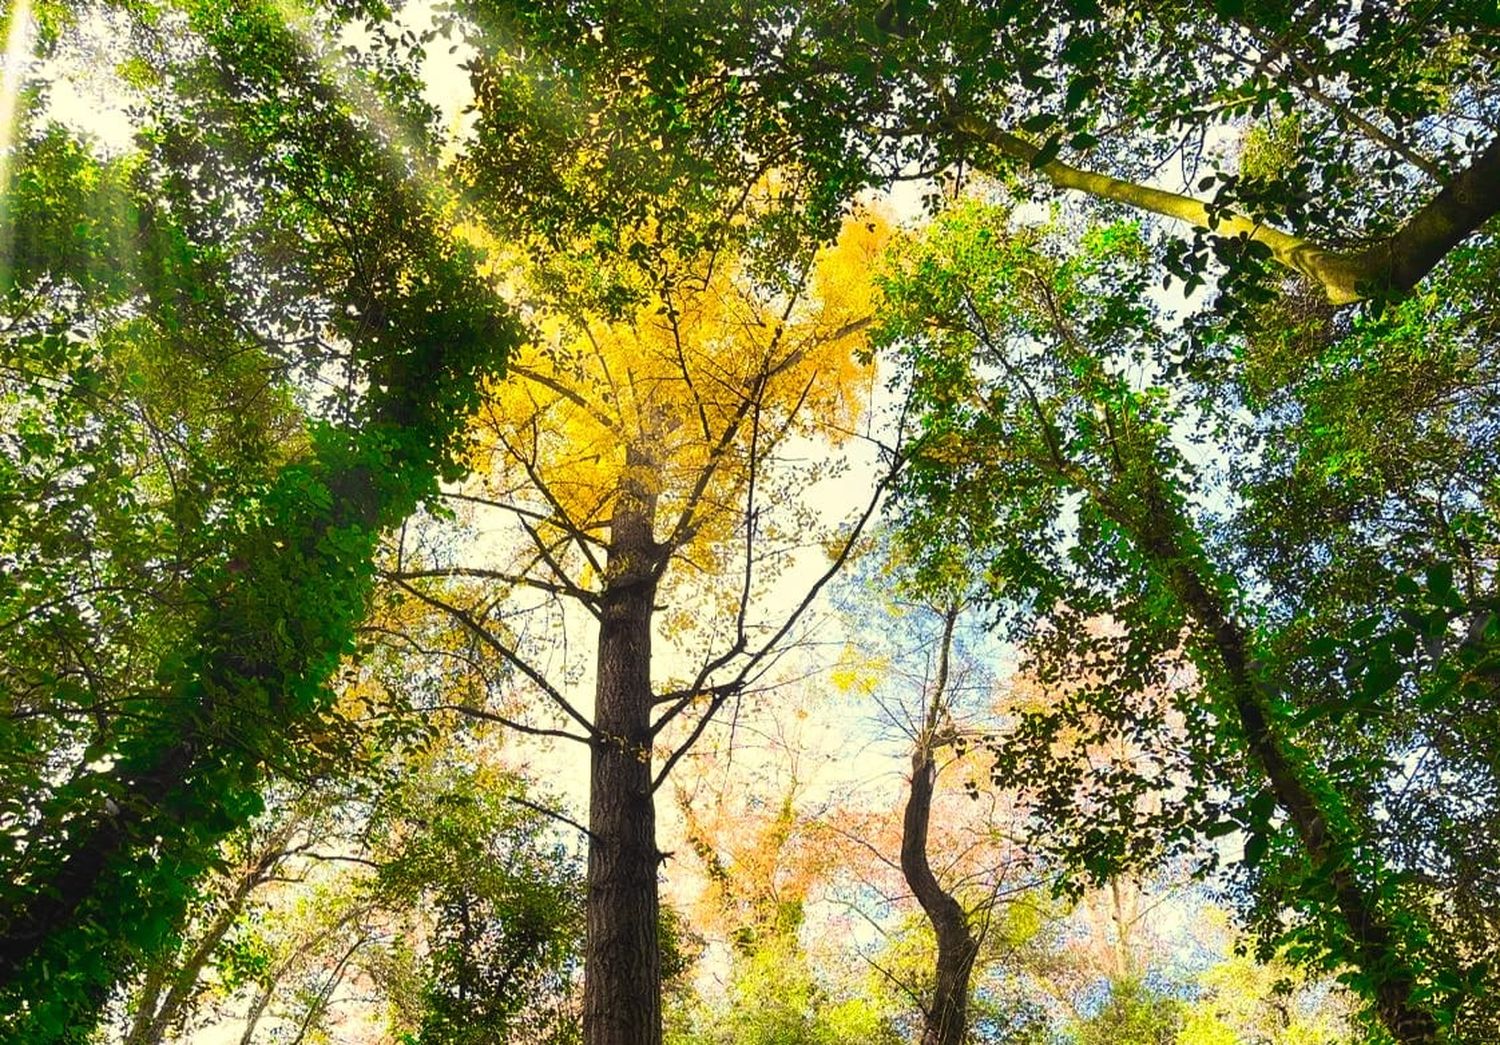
<point x="1048" y="152"/>
<point x="1256" y="846"/>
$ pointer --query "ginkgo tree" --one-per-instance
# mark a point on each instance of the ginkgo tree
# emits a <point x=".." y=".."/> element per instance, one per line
<point x="644" y="457"/>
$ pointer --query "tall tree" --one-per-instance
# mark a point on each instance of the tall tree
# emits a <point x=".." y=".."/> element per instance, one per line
<point x="1057" y="437"/>
<point x="358" y="263"/>
<point x="625" y="445"/>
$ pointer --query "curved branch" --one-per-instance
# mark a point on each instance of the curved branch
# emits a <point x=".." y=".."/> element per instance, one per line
<point x="1393" y="264"/>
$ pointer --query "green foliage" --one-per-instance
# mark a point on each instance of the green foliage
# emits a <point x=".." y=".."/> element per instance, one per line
<point x="281" y="572"/>
<point x="1024" y="358"/>
<point x="1132" y="1014"/>
<point x="775" y="998"/>
<point x="1129" y="508"/>
<point x="507" y="910"/>
<point x="233" y="357"/>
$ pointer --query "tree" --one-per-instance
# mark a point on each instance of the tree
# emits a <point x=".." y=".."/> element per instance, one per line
<point x="920" y="655"/>
<point x="625" y="445"/>
<point x="111" y="853"/>
<point x="1392" y="163"/>
<point x="430" y="876"/>
<point x="470" y="850"/>
<point x="957" y="946"/>
<point x="767" y="852"/>
<point x="1052" y="421"/>
<point x="172" y="982"/>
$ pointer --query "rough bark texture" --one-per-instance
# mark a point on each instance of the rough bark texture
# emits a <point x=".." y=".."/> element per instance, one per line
<point x="622" y="960"/>
<point x="945" y="1020"/>
<point x="1393" y="264"/>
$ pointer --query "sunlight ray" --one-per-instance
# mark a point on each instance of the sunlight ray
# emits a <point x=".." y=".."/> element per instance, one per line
<point x="18" y="43"/>
<point x="397" y="144"/>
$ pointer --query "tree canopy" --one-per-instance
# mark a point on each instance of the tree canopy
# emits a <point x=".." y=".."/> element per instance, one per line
<point x="433" y="431"/>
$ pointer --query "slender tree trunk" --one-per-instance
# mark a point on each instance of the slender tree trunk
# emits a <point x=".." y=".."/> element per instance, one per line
<point x="945" y="1020"/>
<point x="622" y="960"/>
<point x="156" y="1017"/>
<point x="1124" y="957"/>
<point x="152" y="1024"/>
<point x="1158" y="531"/>
<point x="268" y="986"/>
<point x="255" y="1012"/>
<point x="148" y="1003"/>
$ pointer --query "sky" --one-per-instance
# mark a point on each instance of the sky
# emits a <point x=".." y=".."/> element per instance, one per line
<point x="846" y="755"/>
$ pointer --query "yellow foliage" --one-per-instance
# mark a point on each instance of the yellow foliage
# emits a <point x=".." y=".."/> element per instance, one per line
<point x="676" y="399"/>
<point x="857" y="672"/>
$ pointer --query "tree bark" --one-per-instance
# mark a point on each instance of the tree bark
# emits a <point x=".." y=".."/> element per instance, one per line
<point x="945" y="1020"/>
<point x="622" y="958"/>
<point x="1393" y="264"/>
<point x="148" y="1002"/>
<point x="1158" y="533"/>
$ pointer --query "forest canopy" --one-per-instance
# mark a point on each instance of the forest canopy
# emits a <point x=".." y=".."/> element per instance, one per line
<point x="619" y="523"/>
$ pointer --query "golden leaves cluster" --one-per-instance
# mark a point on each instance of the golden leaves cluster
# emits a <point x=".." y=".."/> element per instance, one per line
<point x="688" y="395"/>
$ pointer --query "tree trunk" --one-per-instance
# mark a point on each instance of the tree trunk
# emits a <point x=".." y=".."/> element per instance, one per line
<point x="622" y="959"/>
<point x="155" y="1018"/>
<point x="148" y="1003"/>
<point x="1158" y="535"/>
<point x="255" y="1012"/>
<point x="945" y="1020"/>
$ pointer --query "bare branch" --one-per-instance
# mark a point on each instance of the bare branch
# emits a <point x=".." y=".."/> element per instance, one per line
<point x="509" y="723"/>
<point x="791" y="620"/>
<point x="509" y="655"/>
<point x="479" y="573"/>
<point x="555" y="815"/>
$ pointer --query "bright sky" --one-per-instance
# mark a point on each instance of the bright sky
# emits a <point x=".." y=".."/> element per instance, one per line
<point x="835" y="733"/>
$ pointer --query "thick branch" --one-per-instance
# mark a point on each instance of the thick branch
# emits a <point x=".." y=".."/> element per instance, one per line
<point x="1394" y="264"/>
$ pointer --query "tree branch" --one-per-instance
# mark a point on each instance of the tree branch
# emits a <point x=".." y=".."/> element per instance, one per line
<point x="555" y="815"/>
<point x="509" y="655"/>
<point x="1395" y="263"/>
<point x="478" y="573"/>
<point x="786" y="625"/>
